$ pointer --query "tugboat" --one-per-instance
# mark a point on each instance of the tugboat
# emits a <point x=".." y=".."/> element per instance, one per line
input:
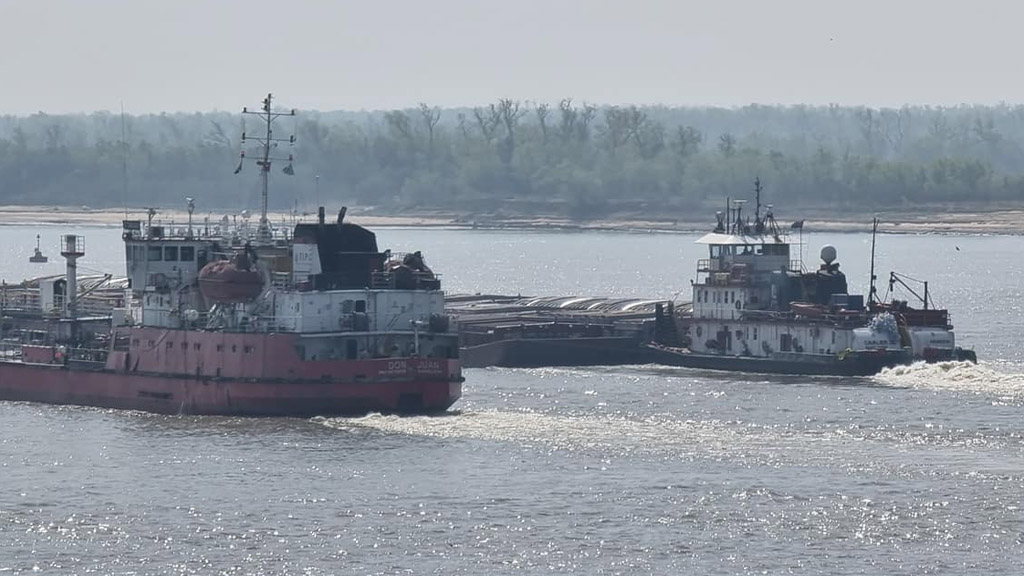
<point x="247" y="322"/>
<point x="755" y="309"/>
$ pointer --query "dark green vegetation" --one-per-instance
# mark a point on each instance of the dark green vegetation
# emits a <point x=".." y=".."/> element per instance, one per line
<point x="570" y="159"/>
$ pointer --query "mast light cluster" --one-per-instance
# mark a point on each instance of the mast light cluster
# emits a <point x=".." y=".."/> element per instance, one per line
<point x="266" y="140"/>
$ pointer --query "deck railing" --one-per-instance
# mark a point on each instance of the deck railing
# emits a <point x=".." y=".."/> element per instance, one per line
<point x="29" y="301"/>
<point x="405" y="280"/>
<point x="707" y="265"/>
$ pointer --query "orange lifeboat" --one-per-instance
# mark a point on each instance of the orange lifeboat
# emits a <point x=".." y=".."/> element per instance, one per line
<point x="230" y="281"/>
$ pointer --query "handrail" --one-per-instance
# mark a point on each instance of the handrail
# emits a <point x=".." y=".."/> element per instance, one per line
<point x="383" y="279"/>
<point x="30" y="300"/>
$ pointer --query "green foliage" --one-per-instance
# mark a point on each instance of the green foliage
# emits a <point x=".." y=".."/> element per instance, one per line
<point x="518" y="158"/>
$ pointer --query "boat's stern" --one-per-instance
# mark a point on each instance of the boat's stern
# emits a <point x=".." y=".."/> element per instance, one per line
<point x="436" y="387"/>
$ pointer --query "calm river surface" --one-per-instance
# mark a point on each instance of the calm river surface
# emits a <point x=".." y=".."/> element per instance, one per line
<point x="624" y="470"/>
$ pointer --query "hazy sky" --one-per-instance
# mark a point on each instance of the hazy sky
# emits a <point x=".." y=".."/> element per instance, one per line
<point x="65" y="56"/>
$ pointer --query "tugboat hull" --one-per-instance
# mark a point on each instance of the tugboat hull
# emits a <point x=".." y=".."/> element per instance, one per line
<point x="851" y="364"/>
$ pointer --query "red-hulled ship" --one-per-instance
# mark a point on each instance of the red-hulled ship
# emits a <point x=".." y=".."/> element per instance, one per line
<point x="318" y="322"/>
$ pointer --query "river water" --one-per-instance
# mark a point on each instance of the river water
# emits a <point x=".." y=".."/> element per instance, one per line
<point x="619" y="470"/>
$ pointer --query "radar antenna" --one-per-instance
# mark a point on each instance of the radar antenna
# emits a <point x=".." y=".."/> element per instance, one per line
<point x="265" y="141"/>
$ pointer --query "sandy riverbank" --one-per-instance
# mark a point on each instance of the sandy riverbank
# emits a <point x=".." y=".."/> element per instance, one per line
<point x="999" y="222"/>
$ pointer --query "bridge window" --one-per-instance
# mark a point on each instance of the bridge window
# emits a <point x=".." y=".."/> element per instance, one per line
<point x="136" y="253"/>
<point x="171" y="254"/>
<point x="360" y="305"/>
<point x="155" y="253"/>
<point x="188" y="253"/>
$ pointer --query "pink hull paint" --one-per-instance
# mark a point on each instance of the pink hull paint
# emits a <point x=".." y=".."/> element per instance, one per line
<point x="56" y="384"/>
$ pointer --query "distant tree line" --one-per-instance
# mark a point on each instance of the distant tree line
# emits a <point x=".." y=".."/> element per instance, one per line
<point x="518" y="158"/>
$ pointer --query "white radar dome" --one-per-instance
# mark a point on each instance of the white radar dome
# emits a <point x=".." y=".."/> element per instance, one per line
<point x="828" y="253"/>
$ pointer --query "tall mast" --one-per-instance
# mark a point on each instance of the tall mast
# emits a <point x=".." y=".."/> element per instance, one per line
<point x="757" y="209"/>
<point x="266" y="141"/>
<point x="872" y="298"/>
<point x="124" y="164"/>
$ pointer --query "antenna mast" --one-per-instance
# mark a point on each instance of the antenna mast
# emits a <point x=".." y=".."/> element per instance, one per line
<point x="266" y="141"/>
<point x="757" y="192"/>
<point x="124" y="163"/>
<point x="872" y="291"/>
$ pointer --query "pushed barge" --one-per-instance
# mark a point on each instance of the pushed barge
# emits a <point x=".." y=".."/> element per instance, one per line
<point x="755" y="309"/>
<point x="531" y="332"/>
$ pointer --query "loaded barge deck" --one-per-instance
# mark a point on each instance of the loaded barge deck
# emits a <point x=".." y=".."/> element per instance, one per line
<point x="532" y="332"/>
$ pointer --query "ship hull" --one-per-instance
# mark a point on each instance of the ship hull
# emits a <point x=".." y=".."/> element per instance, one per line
<point x="175" y="394"/>
<point x="852" y="364"/>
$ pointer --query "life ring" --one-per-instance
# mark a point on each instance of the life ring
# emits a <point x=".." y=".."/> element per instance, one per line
<point x="739" y="305"/>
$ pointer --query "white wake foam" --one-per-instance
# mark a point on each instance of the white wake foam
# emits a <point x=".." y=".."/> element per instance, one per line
<point x="565" y="432"/>
<point x="955" y="376"/>
<point x="665" y="437"/>
<point x="617" y="436"/>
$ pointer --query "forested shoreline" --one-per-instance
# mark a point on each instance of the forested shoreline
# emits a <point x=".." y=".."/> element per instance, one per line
<point x="568" y="159"/>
